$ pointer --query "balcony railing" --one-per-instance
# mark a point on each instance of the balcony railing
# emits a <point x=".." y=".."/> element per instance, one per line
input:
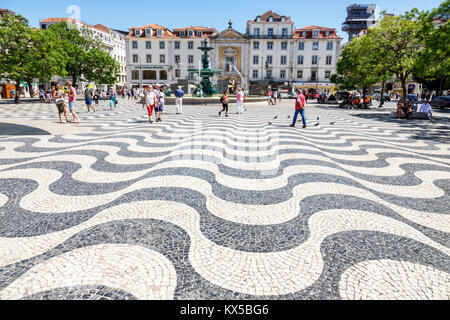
<point x="263" y="36"/>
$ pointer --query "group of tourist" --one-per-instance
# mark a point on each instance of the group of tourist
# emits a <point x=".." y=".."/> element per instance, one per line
<point x="154" y="101"/>
<point x="59" y="97"/>
<point x="405" y="109"/>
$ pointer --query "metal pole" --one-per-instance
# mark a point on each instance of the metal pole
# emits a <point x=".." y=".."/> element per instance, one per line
<point x="140" y="70"/>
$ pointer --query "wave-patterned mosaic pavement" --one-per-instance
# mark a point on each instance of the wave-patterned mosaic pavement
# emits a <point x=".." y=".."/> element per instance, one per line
<point x="202" y="207"/>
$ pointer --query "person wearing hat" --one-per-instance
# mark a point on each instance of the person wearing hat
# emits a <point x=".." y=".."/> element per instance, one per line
<point x="179" y="94"/>
<point x="149" y="102"/>
<point x="300" y="107"/>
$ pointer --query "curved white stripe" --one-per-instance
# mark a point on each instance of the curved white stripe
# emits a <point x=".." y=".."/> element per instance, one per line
<point x="144" y="273"/>
<point x="272" y="273"/>
<point x="393" y="280"/>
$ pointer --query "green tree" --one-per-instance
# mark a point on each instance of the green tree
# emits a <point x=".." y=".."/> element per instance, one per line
<point x="432" y="66"/>
<point x="27" y="54"/>
<point x="87" y="59"/>
<point x="397" y="46"/>
<point x="358" y="67"/>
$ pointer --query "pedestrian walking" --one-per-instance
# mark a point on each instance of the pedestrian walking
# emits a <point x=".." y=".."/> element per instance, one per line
<point x="59" y="97"/>
<point x="96" y="97"/>
<point x="179" y="94"/>
<point x="240" y="96"/>
<point x="159" y="105"/>
<point x="41" y="95"/>
<point x="300" y="107"/>
<point x="72" y="100"/>
<point x="224" y="100"/>
<point x="162" y="101"/>
<point x="275" y="96"/>
<point x="88" y="99"/>
<point x="113" y="99"/>
<point x="104" y="96"/>
<point x="149" y="102"/>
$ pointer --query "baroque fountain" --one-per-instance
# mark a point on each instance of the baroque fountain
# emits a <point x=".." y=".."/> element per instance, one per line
<point x="205" y="74"/>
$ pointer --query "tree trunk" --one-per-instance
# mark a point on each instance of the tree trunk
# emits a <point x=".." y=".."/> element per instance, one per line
<point x="404" y="89"/>
<point x="382" y="94"/>
<point x="17" y="97"/>
<point x="74" y="81"/>
<point x="30" y="89"/>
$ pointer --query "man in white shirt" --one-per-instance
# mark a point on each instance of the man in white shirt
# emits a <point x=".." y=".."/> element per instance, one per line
<point x="149" y="102"/>
<point x="426" y="108"/>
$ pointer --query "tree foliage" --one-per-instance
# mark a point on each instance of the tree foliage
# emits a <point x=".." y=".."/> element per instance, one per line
<point x="400" y="46"/>
<point x="433" y="61"/>
<point x="87" y="60"/>
<point x="27" y="54"/>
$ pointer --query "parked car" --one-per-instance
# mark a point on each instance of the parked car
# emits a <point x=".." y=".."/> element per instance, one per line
<point x="377" y="97"/>
<point x="440" y="102"/>
<point x="413" y="97"/>
<point x="342" y="95"/>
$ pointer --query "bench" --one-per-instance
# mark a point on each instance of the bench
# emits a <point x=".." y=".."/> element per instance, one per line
<point x="419" y="116"/>
<point x="414" y="116"/>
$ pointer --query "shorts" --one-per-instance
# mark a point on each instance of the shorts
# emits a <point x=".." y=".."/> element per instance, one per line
<point x="88" y="101"/>
<point x="159" y="108"/>
<point x="61" y="108"/>
<point x="71" y="106"/>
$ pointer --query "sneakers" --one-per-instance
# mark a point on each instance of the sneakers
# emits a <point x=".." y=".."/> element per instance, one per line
<point x="220" y="113"/>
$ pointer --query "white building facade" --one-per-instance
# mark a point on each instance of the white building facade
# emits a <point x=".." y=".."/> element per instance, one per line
<point x="156" y="54"/>
<point x="113" y="41"/>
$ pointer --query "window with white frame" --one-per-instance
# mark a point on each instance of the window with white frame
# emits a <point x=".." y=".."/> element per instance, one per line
<point x="160" y="32"/>
<point x="284" y="32"/>
<point x="330" y="45"/>
<point x="177" y="45"/>
<point x="256" y="32"/>
<point x="269" y="59"/>
<point x="283" y="60"/>
<point x="190" y="33"/>
<point x="300" y="59"/>
<point x="191" y="45"/>
<point x="162" y="59"/>
<point x="177" y="59"/>
<point x="284" y="45"/>
<point x="148" y="45"/>
<point x="162" y="44"/>
<point x="190" y="59"/>
<point x="269" y="74"/>
<point x="315" y="60"/>
<point x="270" y="32"/>
<point x="148" y="32"/>
<point x="316" y="33"/>
<point x="327" y="74"/>
<point x="182" y="34"/>
<point x="177" y="73"/>
<point x="134" y="44"/>
<point x="255" y="45"/>
<point x="138" y="33"/>
<point x="269" y="45"/>
<point x="282" y="74"/>
<point x="199" y="34"/>
<point x="315" y="45"/>
<point x="135" y="74"/>
<point x="299" y="74"/>
<point x="329" y="60"/>
<point x="255" y="59"/>
<point x="301" y="46"/>
<point x="149" y="58"/>
<point x="135" y="58"/>
<point x="255" y="74"/>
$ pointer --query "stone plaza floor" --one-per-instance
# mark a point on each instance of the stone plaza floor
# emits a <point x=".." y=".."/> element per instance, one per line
<point x="202" y="207"/>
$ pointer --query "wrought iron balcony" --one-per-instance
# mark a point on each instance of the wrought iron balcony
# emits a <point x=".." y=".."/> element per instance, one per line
<point x="263" y="36"/>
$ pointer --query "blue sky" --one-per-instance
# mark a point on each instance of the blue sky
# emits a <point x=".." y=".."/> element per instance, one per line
<point x="120" y="14"/>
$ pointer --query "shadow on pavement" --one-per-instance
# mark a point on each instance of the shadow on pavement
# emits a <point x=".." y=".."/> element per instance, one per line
<point x="10" y="129"/>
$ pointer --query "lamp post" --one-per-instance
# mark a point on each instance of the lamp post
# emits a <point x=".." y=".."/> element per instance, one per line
<point x="317" y="76"/>
<point x="140" y="71"/>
